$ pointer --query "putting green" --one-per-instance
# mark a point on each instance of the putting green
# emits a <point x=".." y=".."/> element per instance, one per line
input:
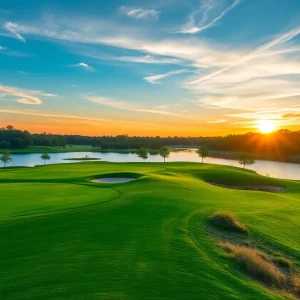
<point x="64" y="237"/>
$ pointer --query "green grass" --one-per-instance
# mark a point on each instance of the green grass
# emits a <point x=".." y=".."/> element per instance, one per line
<point x="64" y="237"/>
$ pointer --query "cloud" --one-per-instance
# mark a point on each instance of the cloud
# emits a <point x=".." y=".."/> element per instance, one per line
<point x="48" y="95"/>
<point x="2" y="48"/>
<point x="282" y="116"/>
<point x="99" y="33"/>
<point x="291" y="116"/>
<point x="148" y="59"/>
<point x="23" y="96"/>
<point x="23" y="73"/>
<point x="12" y="28"/>
<point x="125" y="105"/>
<point x="217" y="122"/>
<point x="139" y="13"/>
<point x="155" y="79"/>
<point x="253" y="54"/>
<point x="167" y="106"/>
<point x="193" y="26"/>
<point x="64" y="116"/>
<point x="233" y="78"/>
<point x="83" y="66"/>
<point x="73" y="85"/>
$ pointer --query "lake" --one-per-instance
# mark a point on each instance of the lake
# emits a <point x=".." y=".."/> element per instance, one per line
<point x="263" y="167"/>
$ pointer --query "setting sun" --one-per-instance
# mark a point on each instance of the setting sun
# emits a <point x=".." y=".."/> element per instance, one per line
<point x="266" y="126"/>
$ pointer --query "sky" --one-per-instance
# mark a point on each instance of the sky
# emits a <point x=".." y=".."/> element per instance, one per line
<point x="148" y="68"/>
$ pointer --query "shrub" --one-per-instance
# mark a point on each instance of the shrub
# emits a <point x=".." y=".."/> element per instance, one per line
<point x="256" y="264"/>
<point x="228" y="221"/>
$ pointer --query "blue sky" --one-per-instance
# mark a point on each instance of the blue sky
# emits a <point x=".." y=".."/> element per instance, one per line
<point x="170" y="67"/>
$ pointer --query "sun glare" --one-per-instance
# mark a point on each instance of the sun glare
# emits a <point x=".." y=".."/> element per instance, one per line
<point x="266" y="126"/>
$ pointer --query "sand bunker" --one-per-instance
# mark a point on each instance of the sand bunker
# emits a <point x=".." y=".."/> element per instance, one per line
<point x="264" y="188"/>
<point x="113" y="179"/>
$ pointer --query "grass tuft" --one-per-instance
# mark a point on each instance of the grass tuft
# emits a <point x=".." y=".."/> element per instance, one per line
<point x="227" y="220"/>
<point x="296" y="286"/>
<point x="256" y="264"/>
<point x="283" y="262"/>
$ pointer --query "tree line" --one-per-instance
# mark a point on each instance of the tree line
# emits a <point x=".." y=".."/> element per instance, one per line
<point x="245" y="158"/>
<point x="280" y="144"/>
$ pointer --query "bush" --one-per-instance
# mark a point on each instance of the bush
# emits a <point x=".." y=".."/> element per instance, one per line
<point x="256" y="264"/>
<point x="228" y="221"/>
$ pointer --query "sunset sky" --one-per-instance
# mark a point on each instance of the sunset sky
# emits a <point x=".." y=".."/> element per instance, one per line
<point x="160" y="67"/>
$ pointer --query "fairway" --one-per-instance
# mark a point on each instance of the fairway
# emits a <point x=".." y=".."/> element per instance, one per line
<point x="66" y="237"/>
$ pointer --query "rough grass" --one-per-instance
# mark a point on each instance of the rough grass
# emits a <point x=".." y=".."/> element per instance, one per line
<point x="296" y="286"/>
<point x="283" y="262"/>
<point x="228" y="221"/>
<point x="256" y="264"/>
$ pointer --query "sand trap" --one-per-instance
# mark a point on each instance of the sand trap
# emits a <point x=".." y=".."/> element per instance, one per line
<point x="113" y="179"/>
<point x="264" y="188"/>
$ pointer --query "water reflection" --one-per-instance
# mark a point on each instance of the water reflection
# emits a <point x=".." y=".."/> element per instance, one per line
<point x="269" y="168"/>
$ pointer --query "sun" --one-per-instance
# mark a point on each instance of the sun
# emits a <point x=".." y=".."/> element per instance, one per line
<point x="267" y="126"/>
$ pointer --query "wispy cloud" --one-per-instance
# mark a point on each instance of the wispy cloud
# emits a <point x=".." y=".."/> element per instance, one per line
<point x="84" y="66"/>
<point x="233" y="78"/>
<point x="139" y="13"/>
<point x="2" y="48"/>
<point x="48" y="95"/>
<point x="12" y="28"/>
<point x="149" y="59"/>
<point x="23" y="96"/>
<point x="125" y="105"/>
<point x="16" y="53"/>
<point x="155" y="79"/>
<point x="23" y="73"/>
<point x="284" y="116"/>
<point x="73" y="85"/>
<point x="64" y="116"/>
<point x="254" y="54"/>
<point x="217" y="121"/>
<point x="194" y="26"/>
<point x="167" y="106"/>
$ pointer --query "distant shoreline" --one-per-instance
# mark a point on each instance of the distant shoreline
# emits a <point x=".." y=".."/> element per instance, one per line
<point x="212" y="153"/>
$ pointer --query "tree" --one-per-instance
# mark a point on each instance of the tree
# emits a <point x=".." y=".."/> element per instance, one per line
<point x="16" y="143"/>
<point x="202" y="152"/>
<point x="10" y="127"/>
<point x="45" y="156"/>
<point x="4" y="144"/>
<point x="5" y="158"/>
<point x="142" y="153"/>
<point x="164" y="152"/>
<point x="246" y="159"/>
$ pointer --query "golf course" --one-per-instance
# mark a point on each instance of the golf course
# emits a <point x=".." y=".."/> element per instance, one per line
<point x="66" y="236"/>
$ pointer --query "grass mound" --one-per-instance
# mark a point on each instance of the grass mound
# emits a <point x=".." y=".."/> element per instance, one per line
<point x="256" y="264"/>
<point x="296" y="286"/>
<point x="227" y="220"/>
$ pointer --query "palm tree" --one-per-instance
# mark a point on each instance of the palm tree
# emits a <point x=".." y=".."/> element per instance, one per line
<point x="164" y="152"/>
<point x="45" y="156"/>
<point x="142" y="153"/>
<point x="5" y="158"/>
<point x="246" y="160"/>
<point x="202" y="152"/>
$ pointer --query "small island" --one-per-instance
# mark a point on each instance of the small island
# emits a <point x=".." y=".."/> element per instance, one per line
<point x="83" y="158"/>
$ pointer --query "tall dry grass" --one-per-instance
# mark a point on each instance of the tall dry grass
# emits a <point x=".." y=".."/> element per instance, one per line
<point x="256" y="265"/>
<point x="227" y="220"/>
